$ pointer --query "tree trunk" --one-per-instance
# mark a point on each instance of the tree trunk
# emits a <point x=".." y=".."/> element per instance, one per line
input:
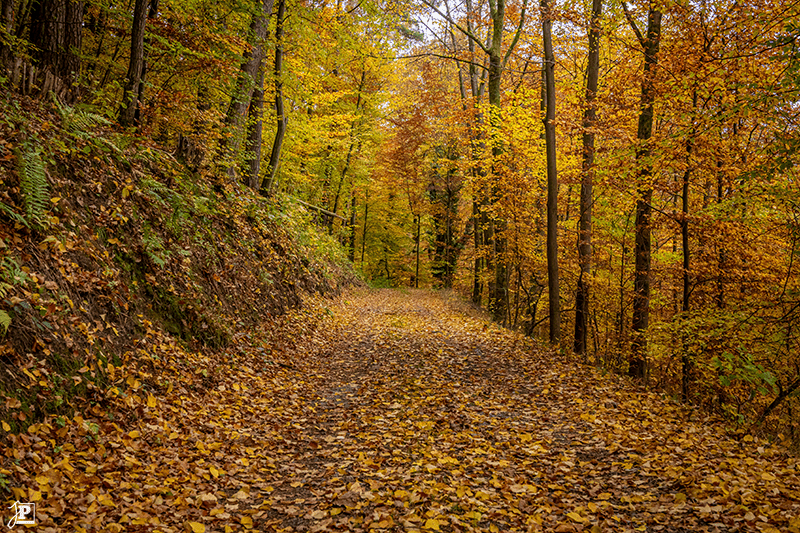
<point x="364" y="229"/>
<point x="7" y="23"/>
<point x="255" y="133"/>
<point x="552" y="177"/>
<point x="351" y="245"/>
<point x="350" y="148"/>
<point x="498" y="282"/>
<point x="686" y="362"/>
<point x="130" y="92"/>
<point x="280" y="113"/>
<point x="246" y="83"/>
<point x="416" y="250"/>
<point x="587" y="181"/>
<point x="477" y="285"/>
<point x="56" y="32"/>
<point x="637" y="365"/>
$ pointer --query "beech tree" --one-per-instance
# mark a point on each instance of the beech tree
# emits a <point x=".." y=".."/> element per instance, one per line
<point x="587" y="180"/>
<point x="136" y="63"/>
<point x="246" y="83"/>
<point x="650" y="43"/>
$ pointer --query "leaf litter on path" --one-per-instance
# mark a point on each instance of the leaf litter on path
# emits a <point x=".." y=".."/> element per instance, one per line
<point x="403" y="412"/>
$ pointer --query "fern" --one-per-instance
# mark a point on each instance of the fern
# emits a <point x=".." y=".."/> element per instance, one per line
<point x="33" y="183"/>
<point x="83" y="124"/>
<point x="5" y="321"/>
<point x="9" y="211"/>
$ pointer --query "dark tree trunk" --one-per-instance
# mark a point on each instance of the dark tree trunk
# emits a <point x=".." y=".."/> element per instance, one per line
<point x="637" y="365"/>
<point x="498" y="280"/>
<point x="56" y="32"/>
<point x="587" y="181"/>
<point x="477" y="285"/>
<point x="416" y="251"/>
<point x="246" y="83"/>
<point x="130" y="91"/>
<point x="351" y="230"/>
<point x="552" y="177"/>
<point x="686" y="361"/>
<point x="364" y="229"/>
<point x="7" y="23"/>
<point x="280" y="113"/>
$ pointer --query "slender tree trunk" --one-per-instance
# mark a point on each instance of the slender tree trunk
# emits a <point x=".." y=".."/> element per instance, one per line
<point x="637" y="365"/>
<point x="498" y="281"/>
<point x="7" y="23"/>
<point x="587" y="180"/>
<point x="351" y="146"/>
<point x="477" y="286"/>
<point x="280" y="113"/>
<point x="416" y="250"/>
<point x="130" y="91"/>
<point x="686" y="361"/>
<point x="552" y="177"/>
<point x="246" y="83"/>
<point x="255" y="131"/>
<point x="364" y="229"/>
<point x="351" y="246"/>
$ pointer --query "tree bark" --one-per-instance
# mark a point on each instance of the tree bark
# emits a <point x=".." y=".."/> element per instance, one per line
<point x="246" y="83"/>
<point x="56" y="32"/>
<point x="6" y="28"/>
<point x="130" y="92"/>
<point x="280" y="113"/>
<point x="587" y="181"/>
<point x="552" y="177"/>
<point x="255" y="133"/>
<point x="351" y="245"/>
<point x="686" y="361"/>
<point x="637" y="365"/>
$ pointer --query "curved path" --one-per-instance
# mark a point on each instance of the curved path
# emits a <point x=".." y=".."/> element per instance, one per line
<point x="421" y="415"/>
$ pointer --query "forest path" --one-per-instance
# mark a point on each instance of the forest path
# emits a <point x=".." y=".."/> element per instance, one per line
<point x="421" y="415"/>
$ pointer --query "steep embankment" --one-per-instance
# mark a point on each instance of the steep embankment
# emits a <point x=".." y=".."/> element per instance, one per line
<point x="116" y="262"/>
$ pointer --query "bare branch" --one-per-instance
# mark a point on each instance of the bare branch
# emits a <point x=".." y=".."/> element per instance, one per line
<point x="633" y="25"/>
<point x="457" y="26"/>
<point x="517" y="34"/>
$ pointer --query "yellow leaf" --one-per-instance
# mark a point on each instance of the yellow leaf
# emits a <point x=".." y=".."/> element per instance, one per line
<point x="151" y="400"/>
<point x="766" y="476"/>
<point x="432" y="523"/>
<point x="575" y="516"/>
<point x="247" y="522"/>
<point x="214" y="472"/>
<point x="680" y="498"/>
<point x="195" y="527"/>
<point x="6" y="426"/>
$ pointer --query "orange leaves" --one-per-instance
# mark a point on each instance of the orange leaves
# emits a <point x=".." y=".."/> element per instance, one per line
<point x="421" y="417"/>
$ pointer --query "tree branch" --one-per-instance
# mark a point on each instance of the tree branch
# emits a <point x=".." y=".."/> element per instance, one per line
<point x="633" y="25"/>
<point x="457" y="26"/>
<point x="517" y="34"/>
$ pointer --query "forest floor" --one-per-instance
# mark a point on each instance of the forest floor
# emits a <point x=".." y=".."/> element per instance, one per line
<point x="405" y="411"/>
